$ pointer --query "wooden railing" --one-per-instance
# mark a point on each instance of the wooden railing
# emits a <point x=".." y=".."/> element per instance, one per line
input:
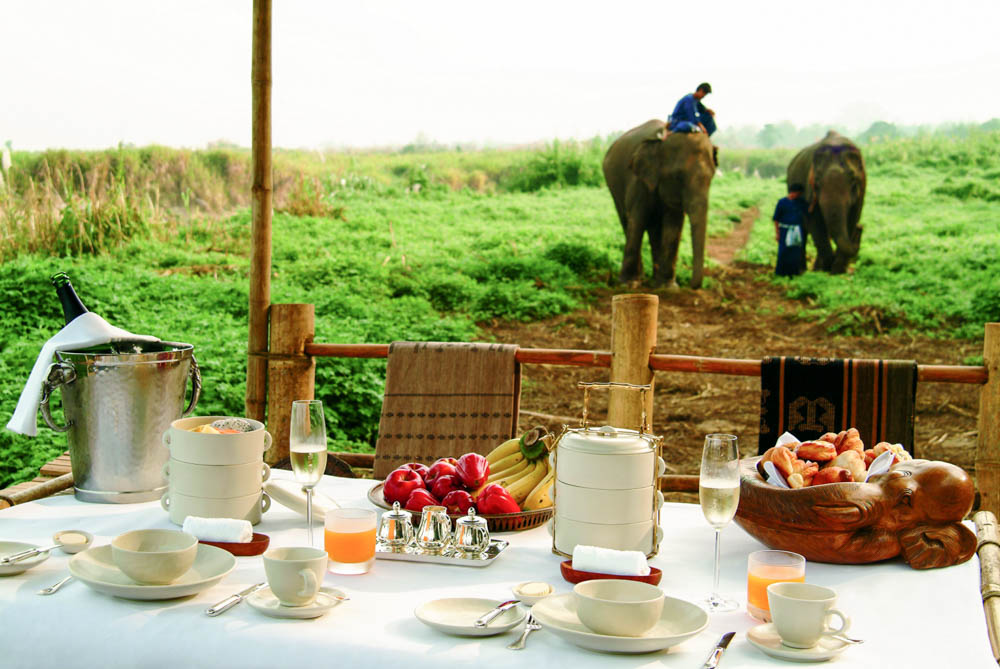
<point x="631" y="360"/>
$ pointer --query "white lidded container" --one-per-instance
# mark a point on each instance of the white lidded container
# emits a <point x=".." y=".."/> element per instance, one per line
<point x="606" y="491"/>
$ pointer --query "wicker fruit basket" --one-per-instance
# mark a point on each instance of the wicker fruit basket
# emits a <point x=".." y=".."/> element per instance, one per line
<point x="507" y="522"/>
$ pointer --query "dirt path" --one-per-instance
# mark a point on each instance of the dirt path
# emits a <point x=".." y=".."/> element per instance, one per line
<point x="739" y="318"/>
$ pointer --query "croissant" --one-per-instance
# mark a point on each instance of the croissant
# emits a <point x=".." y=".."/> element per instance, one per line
<point x="849" y="440"/>
<point x="852" y="461"/>
<point x="817" y="451"/>
<point x="832" y="475"/>
<point x="830" y="437"/>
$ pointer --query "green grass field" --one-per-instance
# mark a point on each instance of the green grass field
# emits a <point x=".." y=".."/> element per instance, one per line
<point x="425" y="246"/>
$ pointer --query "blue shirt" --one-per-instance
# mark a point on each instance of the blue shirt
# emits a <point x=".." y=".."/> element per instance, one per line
<point x="790" y="212"/>
<point x="686" y="110"/>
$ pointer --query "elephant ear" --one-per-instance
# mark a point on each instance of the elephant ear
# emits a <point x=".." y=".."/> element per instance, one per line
<point x="930" y="546"/>
<point x="645" y="164"/>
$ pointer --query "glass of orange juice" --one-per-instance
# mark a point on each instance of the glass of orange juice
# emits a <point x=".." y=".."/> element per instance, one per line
<point x="765" y="568"/>
<point x="349" y="539"/>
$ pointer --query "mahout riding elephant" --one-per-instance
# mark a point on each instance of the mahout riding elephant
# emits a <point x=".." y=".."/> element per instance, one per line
<point x="833" y="174"/>
<point x="654" y="181"/>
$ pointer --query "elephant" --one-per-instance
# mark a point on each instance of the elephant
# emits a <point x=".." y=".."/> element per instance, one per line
<point x="914" y="510"/>
<point x="832" y="172"/>
<point x="655" y="179"/>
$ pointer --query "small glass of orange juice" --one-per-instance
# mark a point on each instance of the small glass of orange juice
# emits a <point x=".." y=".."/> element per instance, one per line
<point x="349" y="539"/>
<point x="765" y="568"/>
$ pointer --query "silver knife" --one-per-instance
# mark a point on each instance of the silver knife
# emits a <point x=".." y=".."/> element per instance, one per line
<point x="713" y="660"/>
<point x="491" y="615"/>
<point x="232" y="600"/>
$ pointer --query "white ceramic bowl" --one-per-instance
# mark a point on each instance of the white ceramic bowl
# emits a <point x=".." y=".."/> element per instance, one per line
<point x="215" y="449"/>
<point x="617" y="607"/>
<point x="245" y="507"/>
<point x="215" y="480"/>
<point x="607" y="506"/>
<point x="154" y="557"/>
<point x="621" y="536"/>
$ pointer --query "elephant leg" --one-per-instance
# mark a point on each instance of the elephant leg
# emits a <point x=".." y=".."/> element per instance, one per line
<point x="632" y="256"/>
<point x="669" y="228"/>
<point x="824" y="251"/>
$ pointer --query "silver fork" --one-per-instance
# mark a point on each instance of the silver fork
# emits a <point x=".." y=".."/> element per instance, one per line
<point x="52" y="588"/>
<point x="529" y="627"/>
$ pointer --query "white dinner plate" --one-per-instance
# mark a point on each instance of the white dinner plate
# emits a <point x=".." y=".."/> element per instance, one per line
<point x="97" y="569"/>
<point x="679" y="622"/>
<point x="11" y="547"/>
<point x="457" y="615"/>
<point x="765" y="637"/>
<point x="267" y="603"/>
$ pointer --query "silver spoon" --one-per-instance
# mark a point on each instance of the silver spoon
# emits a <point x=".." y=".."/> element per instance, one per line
<point x="52" y="588"/>
<point x="65" y="540"/>
<point x="846" y="639"/>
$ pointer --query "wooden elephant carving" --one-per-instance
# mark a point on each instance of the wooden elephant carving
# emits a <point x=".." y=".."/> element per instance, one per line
<point x="914" y="510"/>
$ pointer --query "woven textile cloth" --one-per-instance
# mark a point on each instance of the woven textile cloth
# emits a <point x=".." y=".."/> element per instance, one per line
<point x="446" y="399"/>
<point x="811" y="396"/>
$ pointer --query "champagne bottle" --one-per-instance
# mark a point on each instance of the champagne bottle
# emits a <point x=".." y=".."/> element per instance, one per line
<point x="71" y="304"/>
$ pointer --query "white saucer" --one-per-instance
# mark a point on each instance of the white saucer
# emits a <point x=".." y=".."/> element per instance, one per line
<point x="766" y="638"/>
<point x="97" y="569"/>
<point x="267" y="603"/>
<point x="679" y="622"/>
<point x="458" y="615"/>
<point x="11" y="547"/>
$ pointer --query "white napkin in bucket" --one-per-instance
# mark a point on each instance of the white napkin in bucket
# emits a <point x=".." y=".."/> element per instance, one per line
<point x="85" y="330"/>
<point x="609" y="561"/>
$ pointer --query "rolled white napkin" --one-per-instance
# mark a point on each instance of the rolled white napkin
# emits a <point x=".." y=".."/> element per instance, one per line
<point x="609" y="561"/>
<point x="229" y="530"/>
<point x="84" y="331"/>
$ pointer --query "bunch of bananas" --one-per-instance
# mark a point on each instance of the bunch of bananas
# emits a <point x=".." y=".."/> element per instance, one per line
<point x="521" y="466"/>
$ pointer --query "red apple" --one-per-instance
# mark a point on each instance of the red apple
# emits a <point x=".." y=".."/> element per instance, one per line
<point x="457" y="502"/>
<point x="418" y="467"/>
<point x="443" y="467"/>
<point x="445" y="484"/>
<point x="473" y="469"/>
<point x="420" y="498"/>
<point x="399" y="484"/>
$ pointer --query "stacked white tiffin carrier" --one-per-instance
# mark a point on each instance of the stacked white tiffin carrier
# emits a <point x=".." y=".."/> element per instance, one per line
<point x="606" y="491"/>
<point x="212" y="475"/>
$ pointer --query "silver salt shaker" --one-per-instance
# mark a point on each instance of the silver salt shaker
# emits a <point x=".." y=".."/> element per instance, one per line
<point x="472" y="534"/>
<point x="395" y="529"/>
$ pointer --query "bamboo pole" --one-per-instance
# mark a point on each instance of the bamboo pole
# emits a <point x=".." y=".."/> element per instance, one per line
<point x="988" y="446"/>
<point x="633" y="338"/>
<point x="989" y="565"/>
<point x="291" y="373"/>
<point x="658" y="362"/>
<point x="44" y="489"/>
<point x="260" y="197"/>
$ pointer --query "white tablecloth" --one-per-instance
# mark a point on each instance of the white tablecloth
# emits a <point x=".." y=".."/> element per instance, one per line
<point x="909" y="618"/>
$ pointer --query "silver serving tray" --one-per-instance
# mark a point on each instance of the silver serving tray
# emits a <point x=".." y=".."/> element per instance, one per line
<point x="449" y="555"/>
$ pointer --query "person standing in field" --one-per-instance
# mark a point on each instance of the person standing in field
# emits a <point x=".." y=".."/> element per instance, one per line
<point x="690" y="115"/>
<point x="789" y="230"/>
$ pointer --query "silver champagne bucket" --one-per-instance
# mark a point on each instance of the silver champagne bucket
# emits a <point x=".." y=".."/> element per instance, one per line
<point x="117" y="406"/>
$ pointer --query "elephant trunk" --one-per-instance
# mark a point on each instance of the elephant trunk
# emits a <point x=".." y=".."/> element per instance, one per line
<point x="835" y="205"/>
<point x="698" y="215"/>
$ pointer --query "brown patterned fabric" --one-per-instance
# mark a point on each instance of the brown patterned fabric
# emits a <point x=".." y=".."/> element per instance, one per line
<point x="811" y="396"/>
<point x="446" y="399"/>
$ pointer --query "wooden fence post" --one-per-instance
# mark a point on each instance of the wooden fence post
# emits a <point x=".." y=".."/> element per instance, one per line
<point x="291" y="373"/>
<point x="633" y="338"/>
<point x="988" y="448"/>
<point x="260" y="206"/>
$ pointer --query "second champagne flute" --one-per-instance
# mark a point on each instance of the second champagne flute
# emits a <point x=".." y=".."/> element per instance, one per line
<point x="307" y="449"/>
<point x="719" y="494"/>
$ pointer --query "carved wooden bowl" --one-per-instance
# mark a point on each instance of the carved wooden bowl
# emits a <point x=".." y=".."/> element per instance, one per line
<point x="914" y="511"/>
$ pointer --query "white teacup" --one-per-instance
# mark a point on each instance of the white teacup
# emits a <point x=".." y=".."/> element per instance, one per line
<point x="800" y="612"/>
<point x="295" y="575"/>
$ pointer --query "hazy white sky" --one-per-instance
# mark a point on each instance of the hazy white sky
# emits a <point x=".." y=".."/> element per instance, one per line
<point x="378" y="72"/>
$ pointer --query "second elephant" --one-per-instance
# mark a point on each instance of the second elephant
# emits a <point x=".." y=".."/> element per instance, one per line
<point x="654" y="182"/>
<point x="832" y="172"/>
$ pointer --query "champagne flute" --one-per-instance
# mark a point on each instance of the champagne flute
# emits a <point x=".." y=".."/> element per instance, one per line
<point x="307" y="450"/>
<point x="719" y="494"/>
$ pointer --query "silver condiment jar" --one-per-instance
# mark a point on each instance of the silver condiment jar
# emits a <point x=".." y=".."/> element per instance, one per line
<point x="472" y="534"/>
<point x="435" y="529"/>
<point x="395" y="528"/>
